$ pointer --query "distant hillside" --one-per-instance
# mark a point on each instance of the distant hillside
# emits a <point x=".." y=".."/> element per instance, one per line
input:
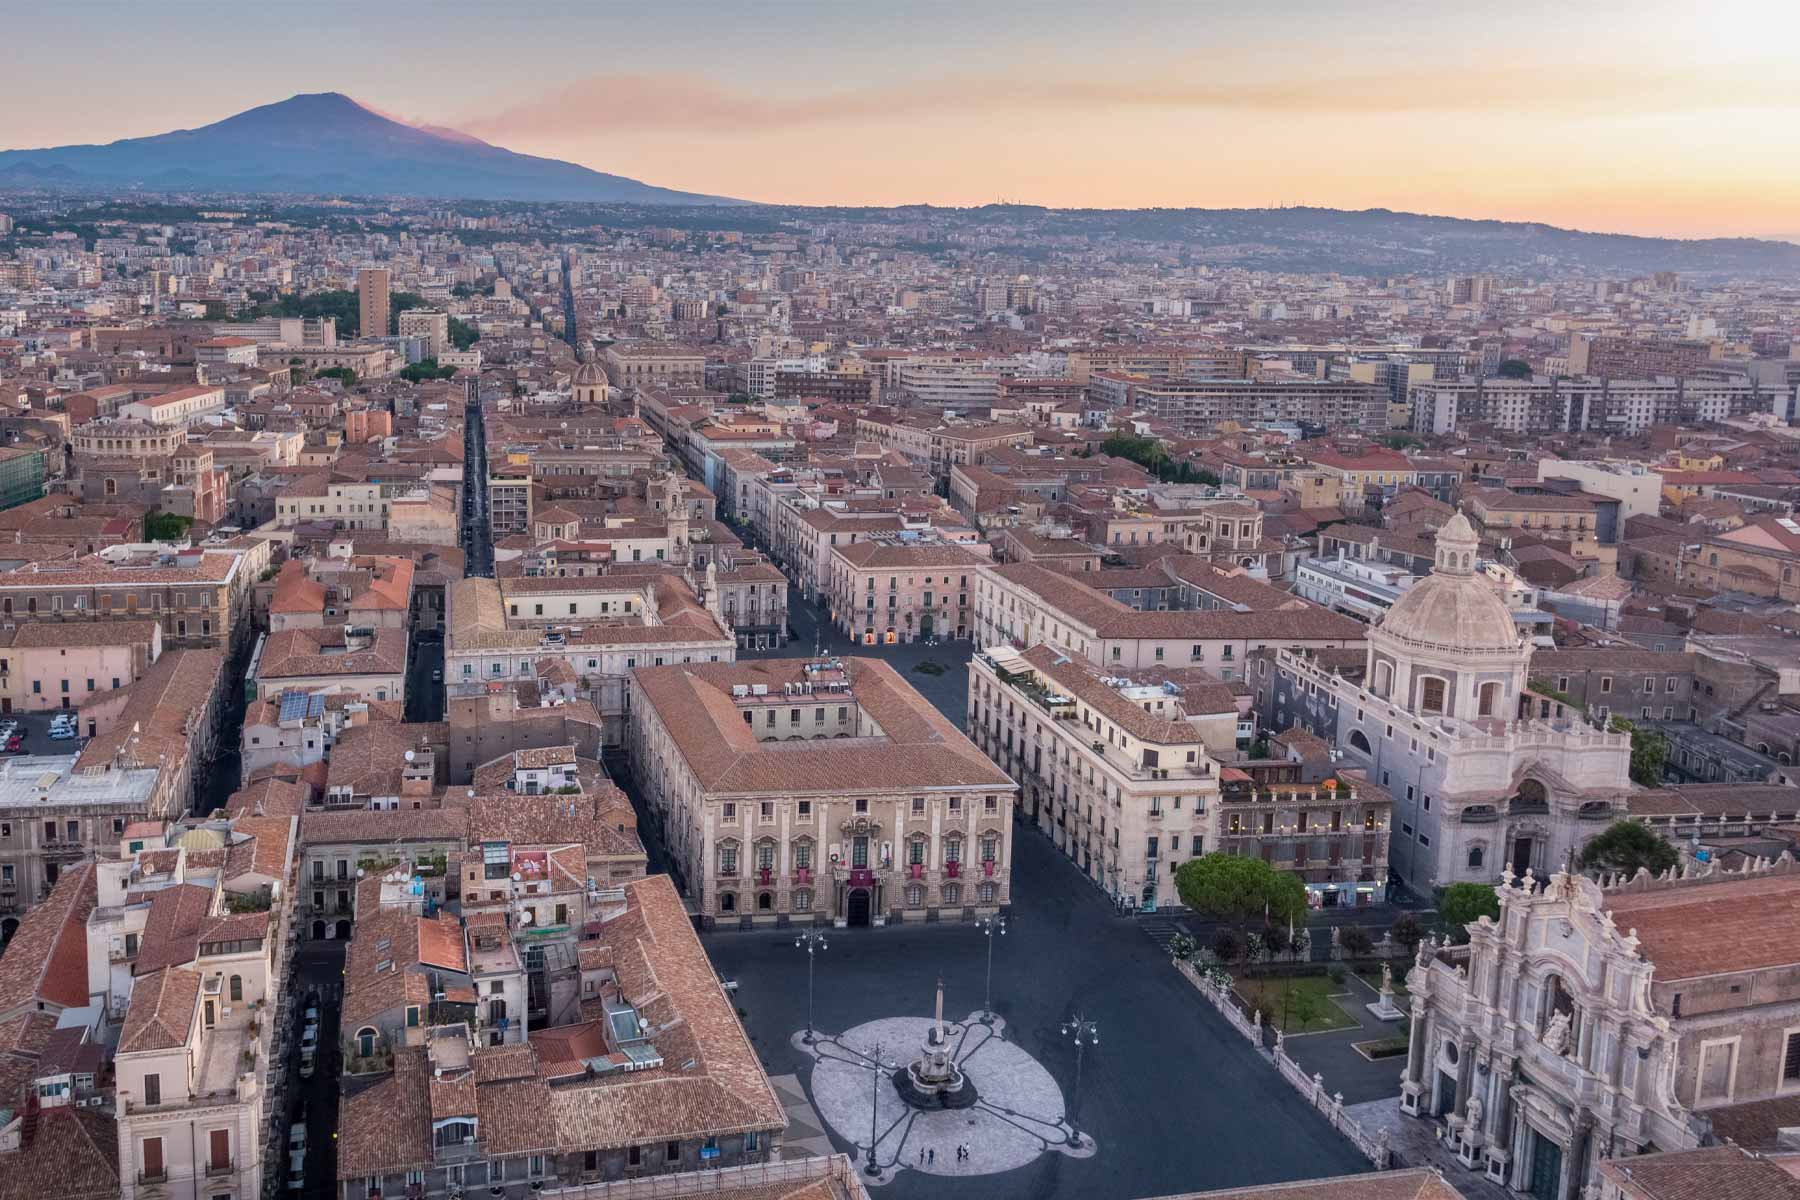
<point x="326" y="143"/>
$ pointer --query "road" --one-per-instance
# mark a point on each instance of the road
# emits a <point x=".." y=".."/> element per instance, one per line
<point x="477" y="519"/>
<point x="318" y="977"/>
<point x="425" y="676"/>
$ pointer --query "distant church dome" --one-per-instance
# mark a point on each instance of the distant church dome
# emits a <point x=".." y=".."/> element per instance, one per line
<point x="591" y="374"/>
<point x="1453" y="607"/>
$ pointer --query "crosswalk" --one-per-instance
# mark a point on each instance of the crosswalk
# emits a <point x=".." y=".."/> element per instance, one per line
<point x="1159" y="928"/>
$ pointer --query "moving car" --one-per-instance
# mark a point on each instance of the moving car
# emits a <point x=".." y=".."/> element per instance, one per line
<point x="296" y="1180"/>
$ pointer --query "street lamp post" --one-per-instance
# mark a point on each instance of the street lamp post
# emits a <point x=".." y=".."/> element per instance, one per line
<point x="812" y="941"/>
<point x="876" y="1066"/>
<point x="1083" y="1033"/>
<point x="990" y="926"/>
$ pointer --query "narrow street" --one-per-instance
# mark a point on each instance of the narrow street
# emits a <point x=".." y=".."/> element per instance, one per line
<point x="477" y="520"/>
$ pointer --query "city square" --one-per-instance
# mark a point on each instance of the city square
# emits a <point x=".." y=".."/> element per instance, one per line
<point x="1167" y="1072"/>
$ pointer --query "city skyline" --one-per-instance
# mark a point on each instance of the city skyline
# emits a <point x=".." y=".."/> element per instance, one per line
<point x="1605" y="119"/>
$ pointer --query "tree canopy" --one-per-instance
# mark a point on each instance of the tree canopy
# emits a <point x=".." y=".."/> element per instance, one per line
<point x="1462" y="904"/>
<point x="1625" y="846"/>
<point x="425" y="368"/>
<point x="1649" y="751"/>
<point x="1514" y="368"/>
<point x="1231" y="888"/>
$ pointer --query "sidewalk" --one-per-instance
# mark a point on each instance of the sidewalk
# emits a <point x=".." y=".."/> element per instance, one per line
<point x="1414" y="1145"/>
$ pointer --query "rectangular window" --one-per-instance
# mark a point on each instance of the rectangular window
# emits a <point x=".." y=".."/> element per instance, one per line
<point x="1790" y="1060"/>
<point x="153" y="1090"/>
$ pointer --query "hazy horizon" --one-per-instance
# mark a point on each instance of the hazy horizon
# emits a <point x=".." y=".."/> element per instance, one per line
<point x="1612" y="118"/>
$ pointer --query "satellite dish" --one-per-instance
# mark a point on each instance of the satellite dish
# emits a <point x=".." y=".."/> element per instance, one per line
<point x="526" y="916"/>
<point x="409" y="756"/>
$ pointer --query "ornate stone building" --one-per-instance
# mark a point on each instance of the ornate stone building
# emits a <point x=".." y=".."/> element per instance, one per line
<point x="1597" y="1022"/>
<point x="793" y="790"/>
<point x="1436" y="720"/>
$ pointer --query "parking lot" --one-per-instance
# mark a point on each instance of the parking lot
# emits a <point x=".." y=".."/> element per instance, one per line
<point x="34" y="734"/>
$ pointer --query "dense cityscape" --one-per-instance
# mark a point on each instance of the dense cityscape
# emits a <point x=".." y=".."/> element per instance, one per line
<point x="627" y="693"/>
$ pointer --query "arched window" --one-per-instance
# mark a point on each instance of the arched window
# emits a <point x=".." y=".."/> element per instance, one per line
<point x="727" y="901"/>
<point x="1476" y="854"/>
<point x="1358" y="741"/>
<point x="1431" y="694"/>
<point x="986" y="893"/>
<point x="915" y="896"/>
<point x="1384" y="678"/>
<point x="953" y="893"/>
<point x="1490" y="697"/>
<point x="803" y="900"/>
<point x="365" y="1040"/>
<point x="237" y="988"/>
<point x="765" y="902"/>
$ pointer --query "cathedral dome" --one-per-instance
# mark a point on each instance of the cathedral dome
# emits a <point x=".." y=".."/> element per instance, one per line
<point x="591" y="374"/>
<point x="1453" y="607"/>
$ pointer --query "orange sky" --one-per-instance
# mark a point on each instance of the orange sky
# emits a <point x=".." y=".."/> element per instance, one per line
<point x="1649" y="116"/>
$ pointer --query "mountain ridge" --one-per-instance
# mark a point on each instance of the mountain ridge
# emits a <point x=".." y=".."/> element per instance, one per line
<point x="327" y="142"/>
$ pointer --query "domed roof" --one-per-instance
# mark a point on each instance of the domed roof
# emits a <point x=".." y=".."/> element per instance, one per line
<point x="591" y="374"/>
<point x="1453" y="606"/>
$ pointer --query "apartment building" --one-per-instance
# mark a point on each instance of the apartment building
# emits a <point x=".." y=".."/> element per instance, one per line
<point x="900" y="587"/>
<point x="665" y="623"/>
<point x="179" y="407"/>
<point x="431" y="326"/>
<point x="1120" y="772"/>
<point x="818" y="790"/>
<point x="1024" y="604"/>
<point x="46" y="665"/>
<point x="1197" y="408"/>
<point x="199" y="596"/>
<point x="643" y="365"/>
<point x="195" y="948"/>
<point x="655" y="1078"/>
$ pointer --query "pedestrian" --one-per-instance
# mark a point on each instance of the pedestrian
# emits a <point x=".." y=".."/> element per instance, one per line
<point x="931" y="1155"/>
<point x="921" y="1156"/>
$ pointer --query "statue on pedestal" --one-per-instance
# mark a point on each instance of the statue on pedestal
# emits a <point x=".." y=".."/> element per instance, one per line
<point x="933" y="1079"/>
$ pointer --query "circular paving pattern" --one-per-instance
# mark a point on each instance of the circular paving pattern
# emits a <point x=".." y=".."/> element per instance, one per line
<point x="1019" y="1115"/>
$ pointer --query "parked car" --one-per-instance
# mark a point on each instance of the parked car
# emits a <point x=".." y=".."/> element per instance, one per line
<point x="308" y="1059"/>
<point x="15" y="744"/>
<point x="297" y="1137"/>
<point x="296" y="1180"/>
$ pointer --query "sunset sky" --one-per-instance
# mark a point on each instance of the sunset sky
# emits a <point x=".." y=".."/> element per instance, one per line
<point x="1645" y="117"/>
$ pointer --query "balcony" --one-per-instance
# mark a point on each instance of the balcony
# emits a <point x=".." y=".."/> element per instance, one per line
<point x="467" y="1150"/>
<point x="953" y="869"/>
<point x="861" y="877"/>
<point x="1480" y="814"/>
<point x="214" y="1170"/>
<point x="802" y="875"/>
<point x="160" y="1175"/>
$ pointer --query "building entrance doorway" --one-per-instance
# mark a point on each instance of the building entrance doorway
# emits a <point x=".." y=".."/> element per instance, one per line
<point x="1521" y="855"/>
<point x="1546" y="1167"/>
<point x="856" y="907"/>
